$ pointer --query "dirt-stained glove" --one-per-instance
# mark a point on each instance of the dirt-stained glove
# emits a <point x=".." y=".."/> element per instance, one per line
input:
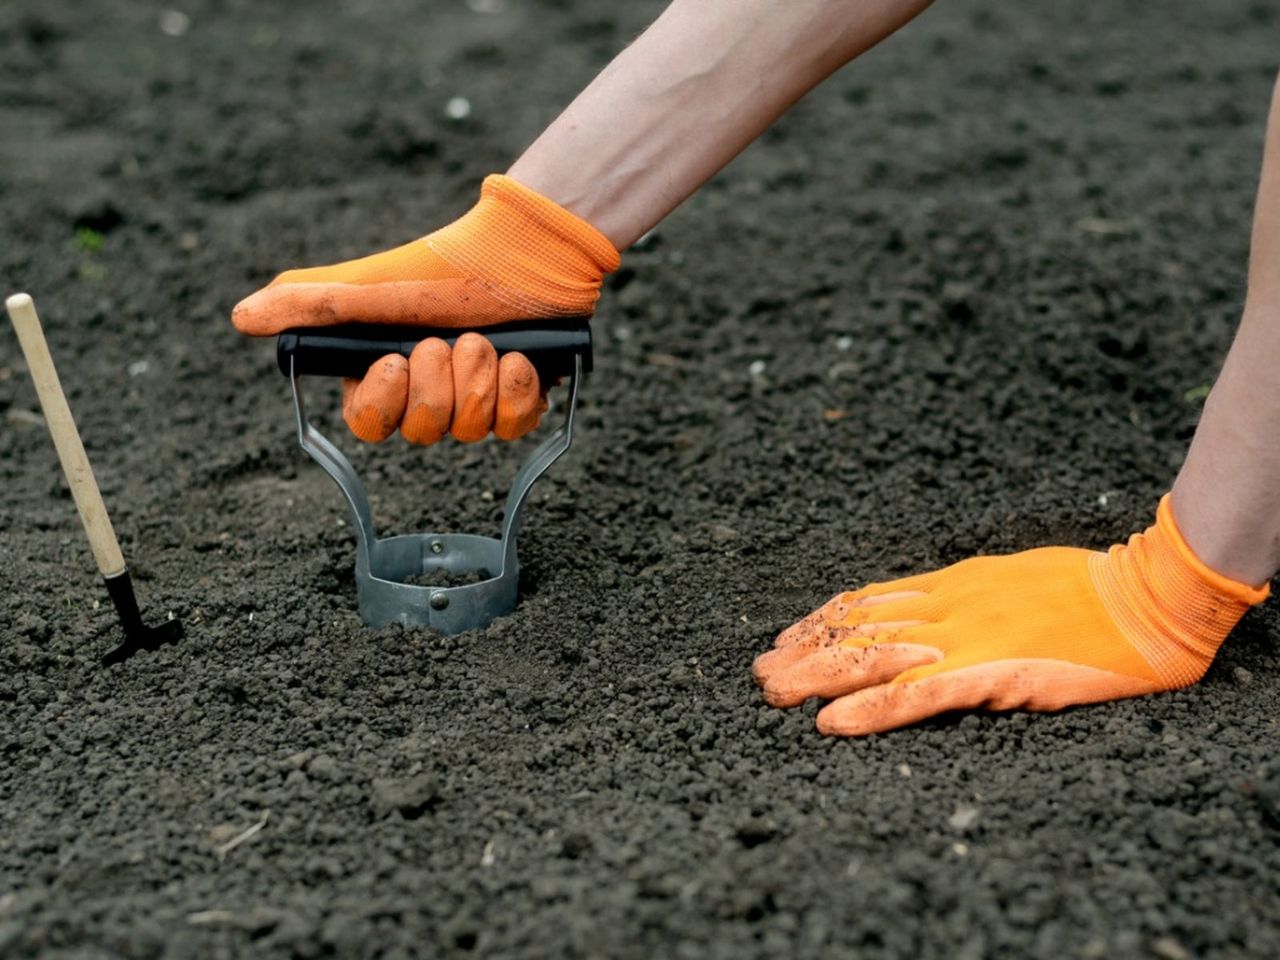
<point x="1039" y="630"/>
<point x="516" y="255"/>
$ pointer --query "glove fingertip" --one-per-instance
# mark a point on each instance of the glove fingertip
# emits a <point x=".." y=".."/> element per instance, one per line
<point x="368" y="424"/>
<point x="472" y="422"/>
<point x="858" y="714"/>
<point x="374" y="406"/>
<point x="251" y="318"/>
<point x="423" y="426"/>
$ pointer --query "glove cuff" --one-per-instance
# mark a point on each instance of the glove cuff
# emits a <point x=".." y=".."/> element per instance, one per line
<point x="1173" y="608"/>
<point x="1239" y="592"/>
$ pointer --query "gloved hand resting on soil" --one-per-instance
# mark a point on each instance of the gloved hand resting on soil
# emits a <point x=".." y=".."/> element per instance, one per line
<point x="1039" y="630"/>
<point x="516" y="255"/>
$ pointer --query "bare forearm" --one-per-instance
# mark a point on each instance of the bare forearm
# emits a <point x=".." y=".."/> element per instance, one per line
<point x="682" y="101"/>
<point x="1227" y="496"/>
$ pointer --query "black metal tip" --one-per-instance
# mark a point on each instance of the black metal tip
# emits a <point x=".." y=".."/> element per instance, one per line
<point x="155" y="637"/>
<point x="137" y="635"/>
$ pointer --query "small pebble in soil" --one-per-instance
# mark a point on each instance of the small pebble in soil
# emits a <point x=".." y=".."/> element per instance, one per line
<point x="1168" y="948"/>
<point x="722" y="534"/>
<point x="964" y="817"/>
<point x="174" y="23"/>
<point x="410" y="796"/>
<point x="26" y="418"/>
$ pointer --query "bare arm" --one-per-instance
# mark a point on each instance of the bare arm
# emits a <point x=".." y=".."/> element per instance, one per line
<point x="698" y="86"/>
<point x="1227" y="496"/>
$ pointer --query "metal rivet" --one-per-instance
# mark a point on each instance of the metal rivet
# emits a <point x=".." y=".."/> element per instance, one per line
<point x="439" y="601"/>
<point x="437" y="546"/>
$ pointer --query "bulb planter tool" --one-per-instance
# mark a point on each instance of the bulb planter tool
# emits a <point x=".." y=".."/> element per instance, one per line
<point x="558" y="349"/>
<point x="84" y="488"/>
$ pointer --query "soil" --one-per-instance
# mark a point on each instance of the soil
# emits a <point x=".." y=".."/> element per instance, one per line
<point x="965" y="298"/>
<point x="448" y="578"/>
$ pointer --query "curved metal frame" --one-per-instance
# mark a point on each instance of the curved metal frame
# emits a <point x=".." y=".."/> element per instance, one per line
<point x="383" y="566"/>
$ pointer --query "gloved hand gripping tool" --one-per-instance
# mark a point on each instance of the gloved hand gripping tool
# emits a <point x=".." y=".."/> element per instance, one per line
<point x="558" y="349"/>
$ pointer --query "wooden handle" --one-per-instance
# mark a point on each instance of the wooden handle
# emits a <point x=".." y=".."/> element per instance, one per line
<point x="93" y="512"/>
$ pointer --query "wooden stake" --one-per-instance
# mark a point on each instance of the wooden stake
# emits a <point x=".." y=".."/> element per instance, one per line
<point x="75" y="465"/>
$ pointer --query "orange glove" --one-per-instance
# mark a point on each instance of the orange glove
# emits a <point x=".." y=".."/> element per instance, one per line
<point x="514" y="256"/>
<point x="1039" y="630"/>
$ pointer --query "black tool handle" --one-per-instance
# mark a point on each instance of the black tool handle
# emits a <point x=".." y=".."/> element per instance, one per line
<point x="350" y="349"/>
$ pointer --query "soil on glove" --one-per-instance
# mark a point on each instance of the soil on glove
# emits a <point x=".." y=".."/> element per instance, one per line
<point x="965" y="299"/>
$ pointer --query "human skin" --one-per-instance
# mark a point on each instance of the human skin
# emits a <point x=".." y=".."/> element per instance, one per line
<point x="696" y="88"/>
<point x="1227" y="495"/>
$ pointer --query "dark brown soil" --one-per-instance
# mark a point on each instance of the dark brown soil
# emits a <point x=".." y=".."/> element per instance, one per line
<point x="448" y="578"/>
<point x="986" y="270"/>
